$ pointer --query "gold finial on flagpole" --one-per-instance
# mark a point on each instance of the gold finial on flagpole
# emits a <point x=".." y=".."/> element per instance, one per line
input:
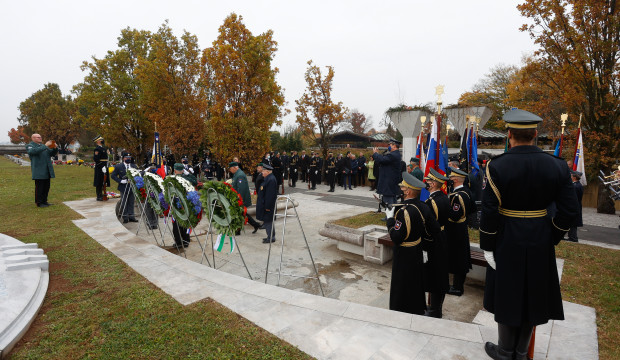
<point x="580" y="115"/>
<point x="439" y="92"/>
<point x="155" y="126"/>
<point x="563" y="117"/>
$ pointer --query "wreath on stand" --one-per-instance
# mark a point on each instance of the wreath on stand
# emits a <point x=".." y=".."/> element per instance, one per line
<point x="232" y="212"/>
<point x="137" y="184"/>
<point x="184" y="201"/>
<point x="155" y="189"/>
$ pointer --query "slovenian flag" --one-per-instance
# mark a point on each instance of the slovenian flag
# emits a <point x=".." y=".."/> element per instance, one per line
<point x="431" y="160"/>
<point x="558" y="146"/>
<point x="578" y="160"/>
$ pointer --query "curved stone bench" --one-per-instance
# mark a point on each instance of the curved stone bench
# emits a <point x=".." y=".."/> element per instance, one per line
<point x="24" y="278"/>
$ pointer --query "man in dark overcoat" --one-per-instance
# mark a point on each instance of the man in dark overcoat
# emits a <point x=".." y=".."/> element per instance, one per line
<point x="437" y="281"/>
<point x="276" y="163"/>
<point x="266" y="202"/>
<point x="181" y="235"/>
<point x="331" y="172"/>
<point x="313" y="171"/>
<point x="304" y="163"/>
<point x="240" y="184"/>
<point x="461" y="205"/>
<point x="361" y="170"/>
<point x="293" y="168"/>
<point x="409" y="225"/>
<point x="127" y="198"/>
<point x="100" y="157"/>
<point x="390" y="172"/>
<point x="518" y="236"/>
<point x="572" y="232"/>
<point x="41" y="167"/>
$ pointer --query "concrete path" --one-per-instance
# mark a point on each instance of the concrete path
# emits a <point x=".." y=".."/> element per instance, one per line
<point x="327" y="328"/>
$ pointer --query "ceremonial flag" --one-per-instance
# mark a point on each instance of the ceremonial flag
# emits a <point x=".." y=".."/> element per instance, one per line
<point x="443" y="164"/>
<point x="221" y="239"/>
<point x="157" y="158"/>
<point x="422" y="157"/>
<point x="578" y="160"/>
<point x="418" y="149"/>
<point x="431" y="158"/>
<point x="474" y="153"/>
<point x="557" y="147"/>
<point x="464" y="154"/>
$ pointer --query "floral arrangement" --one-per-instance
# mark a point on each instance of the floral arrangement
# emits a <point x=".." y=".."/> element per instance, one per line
<point x="154" y="185"/>
<point x="184" y="201"/>
<point x="80" y="162"/>
<point x="137" y="184"/>
<point x="231" y="216"/>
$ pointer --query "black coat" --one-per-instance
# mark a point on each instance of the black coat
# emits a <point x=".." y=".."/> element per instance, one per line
<point x="390" y="173"/>
<point x="100" y="157"/>
<point x="266" y="201"/>
<point x="411" y="225"/>
<point x="436" y="269"/>
<point x="277" y="169"/>
<point x="579" y="192"/>
<point x="461" y="205"/>
<point x="525" y="287"/>
<point x="120" y="173"/>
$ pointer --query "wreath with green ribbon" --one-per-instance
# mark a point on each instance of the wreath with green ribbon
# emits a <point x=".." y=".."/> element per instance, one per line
<point x="230" y="216"/>
<point x="155" y="190"/>
<point x="137" y="184"/>
<point x="184" y="200"/>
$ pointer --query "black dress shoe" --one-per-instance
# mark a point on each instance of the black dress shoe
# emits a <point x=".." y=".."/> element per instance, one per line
<point x="496" y="353"/>
<point x="455" y="291"/>
<point x="48" y="204"/>
<point x="42" y="205"/>
<point x="266" y="240"/>
<point x="152" y="227"/>
<point x="255" y="229"/>
<point x="125" y="221"/>
<point x="133" y="220"/>
<point x="99" y="199"/>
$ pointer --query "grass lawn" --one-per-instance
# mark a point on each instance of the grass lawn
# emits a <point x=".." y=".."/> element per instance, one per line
<point x="96" y="306"/>
<point x="591" y="277"/>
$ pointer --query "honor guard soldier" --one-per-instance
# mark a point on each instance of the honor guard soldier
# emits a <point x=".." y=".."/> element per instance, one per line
<point x="518" y="235"/>
<point x="313" y="171"/>
<point x="414" y="163"/>
<point x="187" y="169"/>
<point x="331" y="171"/>
<point x="436" y="275"/>
<point x="276" y="163"/>
<point x="100" y="157"/>
<point x="293" y="168"/>
<point x="409" y="224"/>
<point x="304" y="163"/>
<point x="461" y="205"/>
<point x="181" y="236"/>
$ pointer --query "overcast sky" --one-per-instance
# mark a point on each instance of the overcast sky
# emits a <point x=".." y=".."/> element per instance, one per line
<point x="383" y="52"/>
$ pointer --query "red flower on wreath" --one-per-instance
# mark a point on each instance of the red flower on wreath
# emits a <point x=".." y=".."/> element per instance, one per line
<point x="143" y="193"/>
<point x="199" y="215"/>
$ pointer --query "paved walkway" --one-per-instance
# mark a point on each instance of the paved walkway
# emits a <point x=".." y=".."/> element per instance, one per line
<point x="327" y="328"/>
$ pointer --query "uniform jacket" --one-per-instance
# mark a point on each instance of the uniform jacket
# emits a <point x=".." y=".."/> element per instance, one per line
<point x="120" y="173"/>
<point x="436" y="269"/>
<point x="100" y="157"/>
<point x="412" y="224"/>
<point x="417" y="172"/>
<point x="240" y="183"/>
<point x="461" y="205"/>
<point x="390" y="172"/>
<point x="266" y="201"/>
<point x="525" y="284"/>
<point x="41" y="160"/>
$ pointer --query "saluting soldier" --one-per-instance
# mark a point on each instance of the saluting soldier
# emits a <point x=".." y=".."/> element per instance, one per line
<point x="436" y="275"/>
<point x="293" y="167"/>
<point x="461" y="205"/>
<point x="100" y="157"/>
<point x="313" y="170"/>
<point x="518" y="235"/>
<point x="409" y="224"/>
<point x="331" y="171"/>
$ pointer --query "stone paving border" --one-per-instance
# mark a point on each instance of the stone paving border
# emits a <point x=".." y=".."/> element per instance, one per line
<point x="322" y="327"/>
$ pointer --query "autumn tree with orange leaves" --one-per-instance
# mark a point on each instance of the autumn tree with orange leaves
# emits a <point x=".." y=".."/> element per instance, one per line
<point x="358" y="122"/>
<point x="19" y="135"/>
<point x="172" y="97"/>
<point x="244" y="99"/>
<point x="316" y="110"/>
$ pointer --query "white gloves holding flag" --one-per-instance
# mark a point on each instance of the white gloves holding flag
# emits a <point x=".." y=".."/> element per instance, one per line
<point x="488" y="256"/>
<point x="389" y="212"/>
<point x="104" y="170"/>
<point x="424" y="257"/>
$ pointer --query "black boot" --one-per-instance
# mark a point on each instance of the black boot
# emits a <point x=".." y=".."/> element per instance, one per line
<point x="507" y="340"/>
<point x="435" y="308"/>
<point x="496" y="353"/>
<point x="523" y="342"/>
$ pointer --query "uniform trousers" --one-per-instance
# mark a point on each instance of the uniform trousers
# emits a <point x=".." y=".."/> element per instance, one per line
<point x="41" y="190"/>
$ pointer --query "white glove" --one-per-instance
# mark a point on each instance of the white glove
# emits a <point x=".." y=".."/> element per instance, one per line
<point x="104" y="170"/>
<point x="124" y="181"/>
<point x="191" y="170"/>
<point x="389" y="213"/>
<point x="424" y="256"/>
<point x="316" y="172"/>
<point x="295" y="170"/>
<point x="185" y="172"/>
<point x="488" y="255"/>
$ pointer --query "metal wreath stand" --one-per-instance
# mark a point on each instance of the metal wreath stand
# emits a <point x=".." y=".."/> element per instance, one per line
<point x="214" y="201"/>
<point x="131" y="184"/>
<point x="288" y="200"/>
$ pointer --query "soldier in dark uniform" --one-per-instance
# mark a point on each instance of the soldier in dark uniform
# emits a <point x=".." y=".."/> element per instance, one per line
<point x="293" y="168"/>
<point x="207" y="168"/>
<point x="313" y="171"/>
<point x="436" y="274"/>
<point x="331" y="172"/>
<point x="319" y="167"/>
<point x="181" y="236"/>
<point x="266" y="202"/>
<point x="572" y="232"/>
<point x="304" y="163"/>
<point x="286" y="161"/>
<point x="387" y="182"/>
<point x="100" y="157"/>
<point x="518" y="235"/>
<point x="409" y="225"/>
<point x="461" y="205"/>
<point x="276" y="163"/>
<point x="187" y="169"/>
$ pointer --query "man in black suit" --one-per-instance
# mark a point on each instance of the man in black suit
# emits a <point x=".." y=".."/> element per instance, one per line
<point x="127" y="198"/>
<point x="572" y="232"/>
<point x="266" y="201"/>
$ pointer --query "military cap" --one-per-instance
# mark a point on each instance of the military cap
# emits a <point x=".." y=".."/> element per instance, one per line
<point x="436" y="176"/>
<point x="125" y="154"/>
<point x="267" y="167"/>
<point x="184" y="157"/>
<point x="233" y="164"/>
<point x="521" y="119"/>
<point x="576" y="174"/>
<point x="411" y="182"/>
<point x="415" y="160"/>
<point x="97" y="138"/>
<point x="259" y="164"/>
<point x="178" y="166"/>
<point x="457" y="172"/>
<point x="394" y="141"/>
